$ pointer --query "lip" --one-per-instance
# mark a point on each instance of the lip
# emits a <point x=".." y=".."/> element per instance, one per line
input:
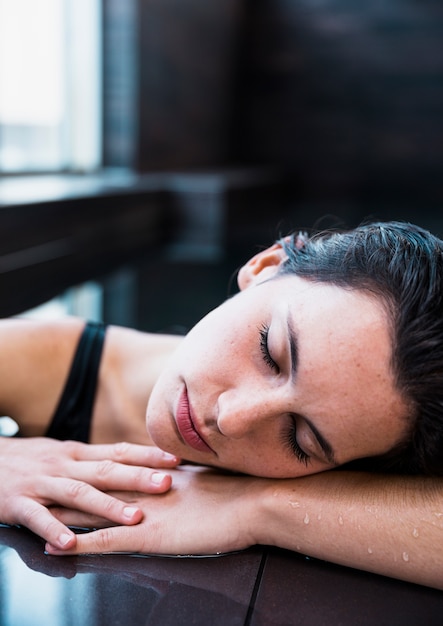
<point x="186" y="425"/>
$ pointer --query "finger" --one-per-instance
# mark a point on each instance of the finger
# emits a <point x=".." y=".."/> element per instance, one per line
<point x="75" y="494"/>
<point x="107" y="540"/>
<point x="123" y="452"/>
<point x="109" y="475"/>
<point x="79" y="519"/>
<point x="39" y="520"/>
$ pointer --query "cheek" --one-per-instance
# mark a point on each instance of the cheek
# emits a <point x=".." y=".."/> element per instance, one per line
<point x="217" y="348"/>
<point x="224" y="340"/>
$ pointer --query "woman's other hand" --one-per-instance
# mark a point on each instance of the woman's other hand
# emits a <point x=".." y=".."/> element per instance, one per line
<point x="37" y="474"/>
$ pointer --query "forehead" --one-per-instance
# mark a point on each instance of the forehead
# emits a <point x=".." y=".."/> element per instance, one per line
<point x="337" y="326"/>
<point x="321" y="301"/>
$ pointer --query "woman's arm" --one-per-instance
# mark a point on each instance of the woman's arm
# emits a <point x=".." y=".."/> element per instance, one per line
<point x="386" y="525"/>
<point x="383" y="524"/>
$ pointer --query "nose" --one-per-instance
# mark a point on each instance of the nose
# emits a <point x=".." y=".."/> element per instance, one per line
<point x="240" y="414"/>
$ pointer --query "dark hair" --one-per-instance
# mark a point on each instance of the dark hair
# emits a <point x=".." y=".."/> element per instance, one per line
<point x="403" y="265"/>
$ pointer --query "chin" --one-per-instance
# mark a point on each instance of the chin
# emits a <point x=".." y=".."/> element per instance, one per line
<point x="159" y="439"/>
<point x="153" y="431"/>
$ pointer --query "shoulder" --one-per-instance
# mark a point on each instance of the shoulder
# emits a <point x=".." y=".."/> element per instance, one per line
<point x="35" y="357"/>
<point x="23" y="340"/>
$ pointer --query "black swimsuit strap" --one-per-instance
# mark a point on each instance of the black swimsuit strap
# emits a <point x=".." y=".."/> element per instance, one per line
<point x="72" y="418"/>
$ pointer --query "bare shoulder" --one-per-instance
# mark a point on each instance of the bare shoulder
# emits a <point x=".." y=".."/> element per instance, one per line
<point x="35" y="358"/>
<point x="21" y="338"/>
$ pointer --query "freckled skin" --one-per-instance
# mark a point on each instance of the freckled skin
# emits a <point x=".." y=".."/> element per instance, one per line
<point x="343" y="383"/>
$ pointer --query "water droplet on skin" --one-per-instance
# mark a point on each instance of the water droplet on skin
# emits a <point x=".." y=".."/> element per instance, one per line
<point x="340" y="520"/>
<point x="370" y="550"/>
<point x="306" y="520"/>
<point x="405" y="557"/>
<point x="415" y="533"/>
<point x="438" y="514"/>
<point x="319" y="516"/>
<point x="294" y="504"/>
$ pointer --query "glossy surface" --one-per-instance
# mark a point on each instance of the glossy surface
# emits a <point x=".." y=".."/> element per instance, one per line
<point x="299" y="590"/>
<point x="258" y="587"/>
<point x="40" y="590"/>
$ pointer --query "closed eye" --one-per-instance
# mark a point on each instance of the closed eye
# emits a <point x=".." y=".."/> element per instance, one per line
<point x="264" y="334"/>
<point x="290" y="440"/>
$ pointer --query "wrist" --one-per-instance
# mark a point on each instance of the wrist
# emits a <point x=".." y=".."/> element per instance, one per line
<point x="261" y="511"/>
<point x="287" y="516"/>
<point x="242" y="510"/>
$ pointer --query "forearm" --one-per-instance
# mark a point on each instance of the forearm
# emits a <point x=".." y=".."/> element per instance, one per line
<point x="390" y="526"/>
<point x="387" y="525"/>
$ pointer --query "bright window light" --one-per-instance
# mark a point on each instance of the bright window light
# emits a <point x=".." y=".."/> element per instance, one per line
<point x="50" y="85"/>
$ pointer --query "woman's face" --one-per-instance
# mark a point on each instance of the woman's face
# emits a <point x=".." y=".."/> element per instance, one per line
<point x="287" y="378"/>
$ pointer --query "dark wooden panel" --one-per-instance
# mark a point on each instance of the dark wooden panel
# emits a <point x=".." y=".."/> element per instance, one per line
<point x="47" y="246"/>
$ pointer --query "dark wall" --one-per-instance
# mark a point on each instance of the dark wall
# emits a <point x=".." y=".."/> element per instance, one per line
<point x="350" y="96"/>
<point x="168" y="83"/>
<point x="343" y="99"/>
<point x="188" y="52"/>
<point x="347" y="95"/>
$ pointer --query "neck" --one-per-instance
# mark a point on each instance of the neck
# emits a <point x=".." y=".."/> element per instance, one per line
<point x="132" y="362"/>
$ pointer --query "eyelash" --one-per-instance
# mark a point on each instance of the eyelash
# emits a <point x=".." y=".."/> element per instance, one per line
<point x="290" y="439"/>
<point x="264" y="333"/>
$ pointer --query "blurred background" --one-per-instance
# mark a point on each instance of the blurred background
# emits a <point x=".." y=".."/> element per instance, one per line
<point x="149" y="147"/>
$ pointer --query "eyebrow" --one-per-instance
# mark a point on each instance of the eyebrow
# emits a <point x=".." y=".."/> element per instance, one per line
<point x="293" y="348"/>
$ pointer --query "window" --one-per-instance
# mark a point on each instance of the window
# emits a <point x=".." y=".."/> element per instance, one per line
<point x="50" y="85"/>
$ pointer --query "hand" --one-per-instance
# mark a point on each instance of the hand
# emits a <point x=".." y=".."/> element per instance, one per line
<point x="205" y="512"/>
<point x="38" y="473"/>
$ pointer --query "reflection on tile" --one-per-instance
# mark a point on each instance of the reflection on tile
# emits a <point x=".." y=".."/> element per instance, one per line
<point x="37" y="589"/>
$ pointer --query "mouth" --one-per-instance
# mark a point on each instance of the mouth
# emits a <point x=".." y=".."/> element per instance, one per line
<point x="186" y="425"/>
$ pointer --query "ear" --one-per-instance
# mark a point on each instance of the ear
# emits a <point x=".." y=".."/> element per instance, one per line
<point x="262" y="266"/>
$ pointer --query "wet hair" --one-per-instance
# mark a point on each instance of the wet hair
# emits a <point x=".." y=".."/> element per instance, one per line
<point x="402" y="264"/>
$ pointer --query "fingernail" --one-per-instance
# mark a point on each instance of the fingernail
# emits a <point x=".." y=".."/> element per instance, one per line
<point x="158" y="477"/>
<point x="129" y="511"/>
<point x="64" y="539"/>
<point x="170" y="457"/>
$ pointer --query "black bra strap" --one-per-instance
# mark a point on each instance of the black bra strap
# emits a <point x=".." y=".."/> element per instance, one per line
<point x="72" y="418"/>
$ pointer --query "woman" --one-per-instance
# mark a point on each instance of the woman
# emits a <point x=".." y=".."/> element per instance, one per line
<point x="328" y="356"/>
